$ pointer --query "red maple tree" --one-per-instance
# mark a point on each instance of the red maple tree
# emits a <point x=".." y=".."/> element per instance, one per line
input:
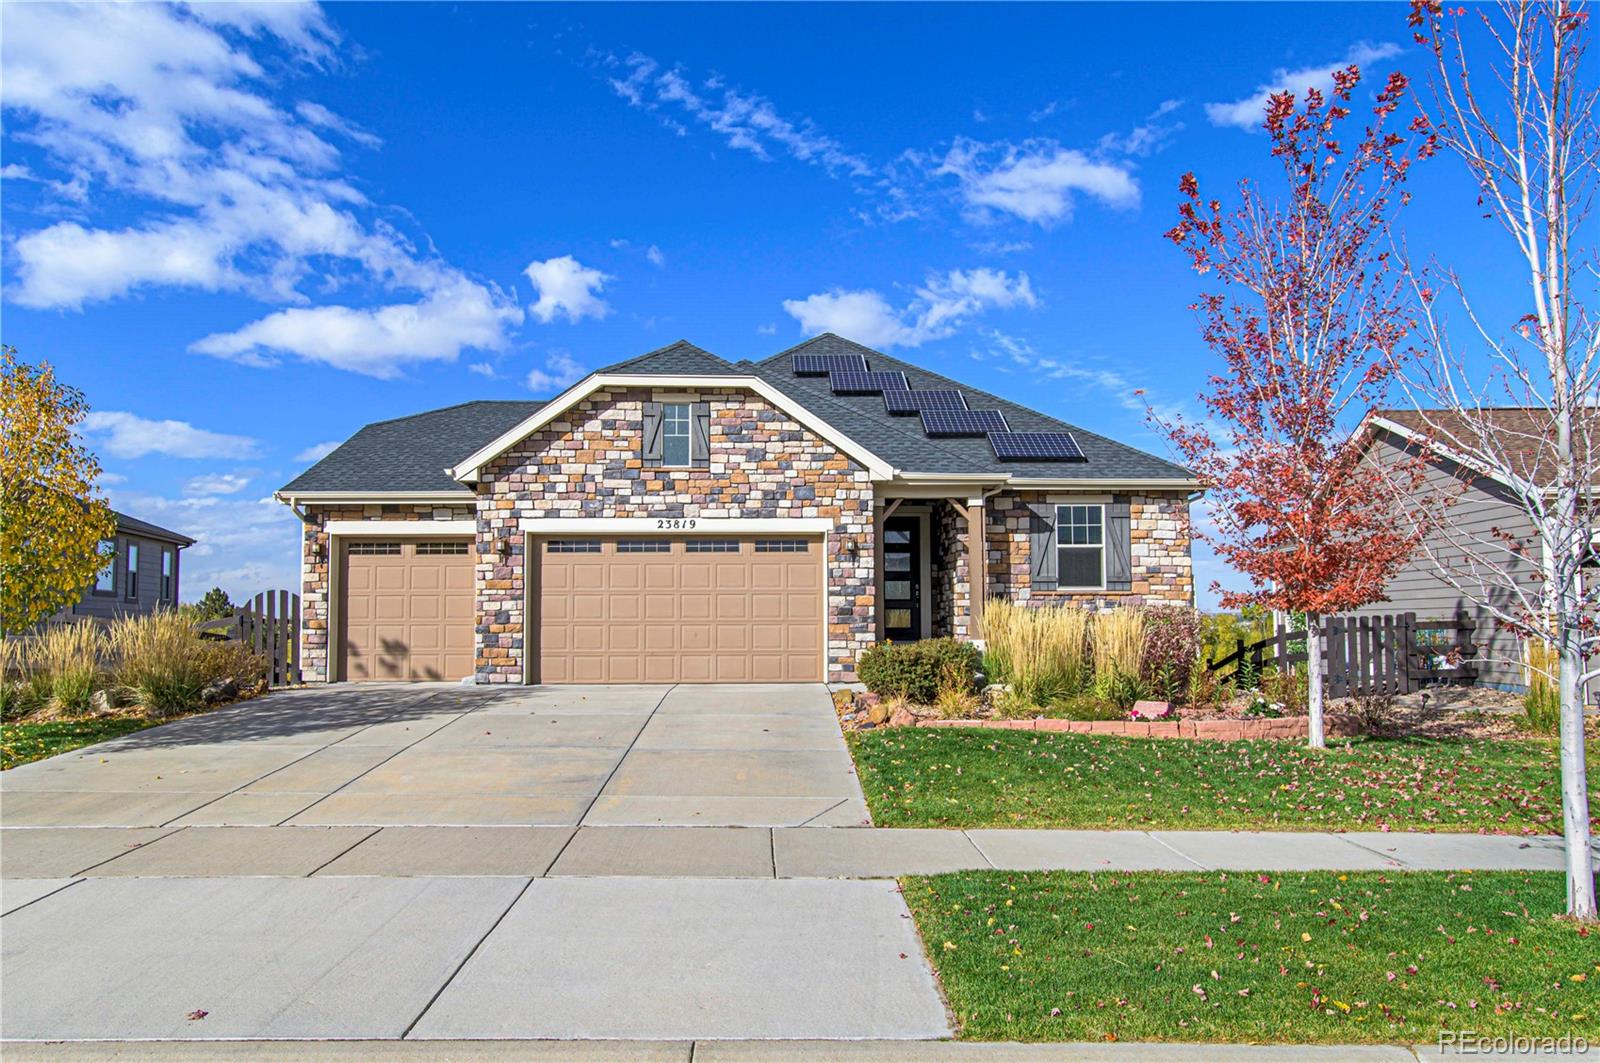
<point x="1310" y="323"/>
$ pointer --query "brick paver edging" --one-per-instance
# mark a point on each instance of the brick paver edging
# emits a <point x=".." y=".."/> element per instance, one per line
<point x="1335" y="725"/>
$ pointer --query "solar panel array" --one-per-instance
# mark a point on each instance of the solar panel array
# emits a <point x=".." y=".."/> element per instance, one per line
<point x="917" y="401"/>
<point x="864" y="383"/>
<point x="1035" y="446"/>
<point x="963" y="422"/>
<point x="944" y="412"/>
<point x="823" y="364"/>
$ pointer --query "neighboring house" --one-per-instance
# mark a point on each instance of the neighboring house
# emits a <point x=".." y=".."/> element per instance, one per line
<point x="678" y="517"/>
<point x="1481" y="508"/>
<point x="140" y="577"/>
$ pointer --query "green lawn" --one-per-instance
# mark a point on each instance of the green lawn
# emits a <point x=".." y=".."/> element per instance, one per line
<point x="937" y="777"/>
<point x="24" y="742"/>
<point x="1363" y="957"/>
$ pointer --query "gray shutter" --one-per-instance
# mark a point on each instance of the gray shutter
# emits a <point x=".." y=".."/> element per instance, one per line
<point x="700" y="434"/>
<point x="1042" y="546"/>
<point x="1119" y="545"/>
<point x="652" y="432"/>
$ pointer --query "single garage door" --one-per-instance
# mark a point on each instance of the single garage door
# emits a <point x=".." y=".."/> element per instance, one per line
<point x="407" y="611"/>
<point x="700" y="610"/>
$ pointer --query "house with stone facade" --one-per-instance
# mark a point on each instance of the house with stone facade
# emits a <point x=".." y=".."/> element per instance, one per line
<point x="682" y="518"/>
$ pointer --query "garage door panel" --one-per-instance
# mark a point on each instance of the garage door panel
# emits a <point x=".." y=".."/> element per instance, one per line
<point x="407" y="611"/>
<point x="643" y="613"/>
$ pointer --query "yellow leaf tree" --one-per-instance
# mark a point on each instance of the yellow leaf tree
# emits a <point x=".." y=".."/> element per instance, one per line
<point x="52" y="519"/>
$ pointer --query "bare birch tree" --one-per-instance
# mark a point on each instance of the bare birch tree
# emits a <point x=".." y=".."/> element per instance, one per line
<point x="1515" y="403"/>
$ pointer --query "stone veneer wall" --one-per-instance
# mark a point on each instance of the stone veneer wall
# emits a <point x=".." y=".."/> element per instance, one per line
<point x="948" y="571"/>
<point x="587" y="464"/>
<point x="315" y="638"/>
<point x="1162" y="570"/>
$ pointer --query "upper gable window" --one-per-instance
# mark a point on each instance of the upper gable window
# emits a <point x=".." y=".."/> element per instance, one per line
<point x="675" y="433"/>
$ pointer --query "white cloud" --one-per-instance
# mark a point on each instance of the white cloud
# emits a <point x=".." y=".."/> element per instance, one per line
<point x="375" y="341"/>
<point x="111" y="479"/>
<point x="127" y="435"/>
<point x="318" y="451"/>
<point x="223" y="483"/>
<point x="1001" y="247"/>
<point x="655" y="256"/>
<point x="483" y="369"/>
<point x="1114" y="383"/>
<point x="1250" y="112"/>
<point x="168" y="109"/>
<point x="1148" y="137"/>
<point x="1044" y="112"/>
<point x="560" y="372"/>
<point x="567" y="288"/>
<point x="940" y="306"/>
<point x="767" y="330"/>
<point x="1035" y="181"/>
<point x="745" y="121"/>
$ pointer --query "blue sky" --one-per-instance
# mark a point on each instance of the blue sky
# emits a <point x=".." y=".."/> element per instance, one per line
<point x="246" y="231"/>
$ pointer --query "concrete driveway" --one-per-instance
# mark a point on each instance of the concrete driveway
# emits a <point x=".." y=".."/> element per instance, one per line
<point x="465" y="756"/>
<point x="448" y="862"/>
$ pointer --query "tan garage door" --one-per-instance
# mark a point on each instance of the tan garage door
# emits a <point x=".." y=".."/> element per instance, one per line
<point x="702" y="610"/>
<point x="407" y="610"/>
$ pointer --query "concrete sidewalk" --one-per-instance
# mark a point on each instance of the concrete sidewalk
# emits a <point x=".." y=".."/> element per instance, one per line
<point x="43" y="854"/>
<point x="707" y="1051"/>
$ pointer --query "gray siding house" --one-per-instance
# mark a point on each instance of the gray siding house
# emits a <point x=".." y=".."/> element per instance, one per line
<point x="141" y="577"/>
<point x="1481" y="509"/>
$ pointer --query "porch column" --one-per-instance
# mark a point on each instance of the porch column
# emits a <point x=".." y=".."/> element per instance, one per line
<point x="977" y="565"/>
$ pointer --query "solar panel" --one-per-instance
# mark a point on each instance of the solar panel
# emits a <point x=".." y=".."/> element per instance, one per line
<point x="963" y="422"/>
<point x="823" y="364"/>
<point x="916" y="401"/>
<point x="854" y="383"/>
<point x="1035" y="446"/>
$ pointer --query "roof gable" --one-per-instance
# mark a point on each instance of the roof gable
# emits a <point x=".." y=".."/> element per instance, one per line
<point x="412" y="453"/>
<point x="679" y="357"/>
<point x="134" y="526"/>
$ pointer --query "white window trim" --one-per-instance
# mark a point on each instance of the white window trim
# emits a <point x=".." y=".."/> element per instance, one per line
<point x="1060" y="546"/>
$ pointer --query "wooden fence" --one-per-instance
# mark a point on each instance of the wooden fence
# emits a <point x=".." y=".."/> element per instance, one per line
<point x="269" y="624"/>
<point x="1395" y="653"/>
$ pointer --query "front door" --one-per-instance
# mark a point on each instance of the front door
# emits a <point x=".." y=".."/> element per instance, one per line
<point x="902" y="580"/>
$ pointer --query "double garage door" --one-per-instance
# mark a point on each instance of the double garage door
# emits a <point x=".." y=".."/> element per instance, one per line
<point x="604" y="610"/>
<point x="696" y="610"/>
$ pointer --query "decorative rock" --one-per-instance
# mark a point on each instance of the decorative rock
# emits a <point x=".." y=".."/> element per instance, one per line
<point x="218" y="690"/>
<point x="100" y="702"/>
<point x="878" y="712"/>
<point x="1151" y="710"/>
<point x="902" y="717"/>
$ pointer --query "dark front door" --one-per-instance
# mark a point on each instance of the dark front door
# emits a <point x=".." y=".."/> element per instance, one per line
<point x="902" y="580"/>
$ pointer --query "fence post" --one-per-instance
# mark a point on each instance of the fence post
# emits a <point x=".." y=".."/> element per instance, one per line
<point x="294" y="640"/>
<point x="1411" y="650"/>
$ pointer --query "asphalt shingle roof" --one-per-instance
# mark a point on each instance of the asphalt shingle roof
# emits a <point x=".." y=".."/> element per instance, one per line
<point x="901" y="442"/>
<point x="143" y="528"/>
<point x="411" y="453"/>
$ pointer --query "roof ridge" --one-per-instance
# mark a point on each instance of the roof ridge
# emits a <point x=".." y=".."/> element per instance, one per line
<point x="674" y="345"/>
<point x="452" y="406"/>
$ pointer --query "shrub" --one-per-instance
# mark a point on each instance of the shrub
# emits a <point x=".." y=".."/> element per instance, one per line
<point x="1042" y="652"/>
<point x="1172" y="649"/>
<point x="69" y="657"/>
<point x="163" y="665"/>
<point x="1120" y="689"/>
<point x="1541" y="703"/>
<point x="1119" y="643"/>
<point x="914" y="670"/>
<point x="1085" y="707"/>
